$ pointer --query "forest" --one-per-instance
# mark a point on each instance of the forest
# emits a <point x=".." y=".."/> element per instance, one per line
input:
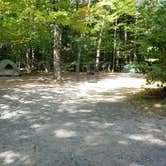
<point x="82" y="82"/>
<point x="84" y="35"/>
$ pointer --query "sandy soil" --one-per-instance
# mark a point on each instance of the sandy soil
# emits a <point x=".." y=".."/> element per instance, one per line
<point x="86" y="123"/>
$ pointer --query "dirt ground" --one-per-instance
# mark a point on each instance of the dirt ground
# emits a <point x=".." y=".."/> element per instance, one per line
<point x="79" y="123"/>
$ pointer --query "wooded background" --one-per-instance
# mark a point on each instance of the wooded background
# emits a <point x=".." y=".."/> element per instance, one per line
<point x="84" y="35"/>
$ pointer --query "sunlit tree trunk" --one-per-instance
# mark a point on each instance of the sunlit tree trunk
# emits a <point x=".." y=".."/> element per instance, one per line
<point x="32" y="58"/>
<point x="114" y="48"/>
<point x="57" y="47"/>
<point x="89" y="2"/>
<point x="98" y="50"/>
<point x="125" y="46"/>
<point x="56" y="53"/>
<point x="28" y="67"/>
<point x="135" y="45"/>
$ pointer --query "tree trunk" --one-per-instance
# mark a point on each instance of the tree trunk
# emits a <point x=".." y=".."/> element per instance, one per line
<point x="89" y="3"/>
<point x="28" y="67"/>
<point x="99" y="46"/>
<point x="125" y="45"/>
<point x="78" y="60"/>
<point x="56" y="53"/>
<point x="135" y="52"/>
<point x="135" y="45"/>
<point x="33" y="59"/>
<point x="114" y="48"/>
<point x="98" y="51"/>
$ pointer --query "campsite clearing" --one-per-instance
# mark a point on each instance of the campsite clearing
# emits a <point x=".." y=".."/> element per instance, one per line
<point x="86" y="123"/>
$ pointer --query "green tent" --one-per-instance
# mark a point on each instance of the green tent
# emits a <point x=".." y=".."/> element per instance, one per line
<point x="129" y="68"/>
<point x="8" y="68"/>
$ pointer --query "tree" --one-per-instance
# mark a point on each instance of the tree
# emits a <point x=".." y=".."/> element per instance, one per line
<point x="75" y="34"/>
<point x="154" y="43"/>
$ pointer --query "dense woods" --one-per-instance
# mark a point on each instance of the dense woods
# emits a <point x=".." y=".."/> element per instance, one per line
<point x="84" y="35"/>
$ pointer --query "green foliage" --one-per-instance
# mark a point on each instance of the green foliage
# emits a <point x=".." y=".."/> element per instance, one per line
<point x="139" y="26"/>
<point x="151" y="101"/>
<point x="154" y="40"/>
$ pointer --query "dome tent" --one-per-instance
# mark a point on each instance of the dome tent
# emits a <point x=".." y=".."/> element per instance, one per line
<point x="129" y="68"/>
<point x="8" y="68"/>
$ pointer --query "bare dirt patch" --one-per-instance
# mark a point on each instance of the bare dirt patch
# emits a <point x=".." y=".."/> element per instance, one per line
<point x="85" y="123"/>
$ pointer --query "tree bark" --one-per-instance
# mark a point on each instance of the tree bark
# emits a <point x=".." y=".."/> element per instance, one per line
<point x="78" y="60"/>
<point x="135" y="45"/>
<point x="99" y="46"/>
<point x="57" y="47"/>
<point x="89" y="3"/>
<point x="32" y="58"/>
<point x="114" y="48"/>
<point x="28" y="67"/>
<point x="125" y="47"/>
<point x="56" y="53"/>
<point x="98" y="50"/>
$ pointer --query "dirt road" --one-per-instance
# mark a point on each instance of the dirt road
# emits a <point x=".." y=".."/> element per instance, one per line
<point x="85" y="123"/>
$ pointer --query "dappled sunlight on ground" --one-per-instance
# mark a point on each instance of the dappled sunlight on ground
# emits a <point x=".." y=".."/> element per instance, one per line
<point x="9" y="157"/>
<point x="80" y="124"/>
<point x="61" y="133"/>
<point x="111" y="84"/>
<point x="147" y="138"/>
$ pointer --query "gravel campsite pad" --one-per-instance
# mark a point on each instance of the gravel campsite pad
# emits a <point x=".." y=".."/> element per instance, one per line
<point x="86" y="123"/>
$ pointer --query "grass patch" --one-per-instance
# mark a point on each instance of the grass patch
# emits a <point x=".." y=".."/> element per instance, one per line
<point x="152" y="101"/>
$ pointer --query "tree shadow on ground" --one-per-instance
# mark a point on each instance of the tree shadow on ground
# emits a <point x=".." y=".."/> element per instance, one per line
<point x="73" y="126"/>
<point x="151" y="101"/>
